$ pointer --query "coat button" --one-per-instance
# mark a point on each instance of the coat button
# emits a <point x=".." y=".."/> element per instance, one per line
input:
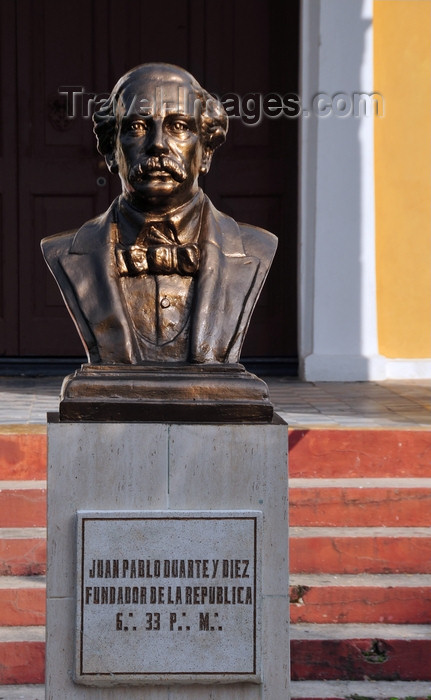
<point x="165" y="303"/>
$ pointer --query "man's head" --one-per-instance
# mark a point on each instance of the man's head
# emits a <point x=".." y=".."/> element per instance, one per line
<point x="158" y="131"/>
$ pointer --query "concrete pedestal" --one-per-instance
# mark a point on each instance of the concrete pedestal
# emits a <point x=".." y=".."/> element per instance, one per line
<point x="149" y="472"/>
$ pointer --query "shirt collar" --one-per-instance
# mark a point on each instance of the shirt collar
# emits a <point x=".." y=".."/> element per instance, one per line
<point x="184" y="219"/>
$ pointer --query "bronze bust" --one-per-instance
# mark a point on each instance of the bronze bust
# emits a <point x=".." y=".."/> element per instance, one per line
<point x="162" y="277"/>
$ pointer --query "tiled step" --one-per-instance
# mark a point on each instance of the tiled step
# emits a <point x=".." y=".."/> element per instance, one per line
<point x="22" y="551"/>
<point x="365" y="690"/>
<point x="371" y="550"/>
<point x="22" y="504"/>
<point x="22" y="654"/>
<point x="319" y="598"/>
<point x="328" y="454"/>
<point x="355" y="652"/>
<point x="22" y="455"/>
<point x="22" y="601"/>
<point x="360" y="502"/>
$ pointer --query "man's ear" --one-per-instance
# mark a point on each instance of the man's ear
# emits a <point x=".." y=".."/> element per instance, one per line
<point x="206" y="160"/>
<point x="111" y="162"/>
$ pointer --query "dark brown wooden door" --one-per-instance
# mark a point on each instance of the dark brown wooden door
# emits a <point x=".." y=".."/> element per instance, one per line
<point x="57" y="160"/>
<point x="8" y="186"/>
<point x="254" y="176"/>
<point x="53" y="179"/>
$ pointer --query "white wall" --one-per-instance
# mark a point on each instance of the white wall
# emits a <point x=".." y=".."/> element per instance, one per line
<point x="337" y="295"/>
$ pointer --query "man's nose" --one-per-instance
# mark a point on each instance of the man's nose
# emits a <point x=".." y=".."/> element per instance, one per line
<point x="156" y="140"/>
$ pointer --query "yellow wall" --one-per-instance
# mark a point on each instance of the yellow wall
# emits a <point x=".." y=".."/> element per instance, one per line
<point x="402" y="74"/>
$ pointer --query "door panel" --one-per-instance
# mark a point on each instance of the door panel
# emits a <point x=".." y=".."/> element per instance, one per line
<point x="254" y="177"/>
<point x="230" y="46"/>
<point x="8" y="193"/>
<point x="58" y="163"/>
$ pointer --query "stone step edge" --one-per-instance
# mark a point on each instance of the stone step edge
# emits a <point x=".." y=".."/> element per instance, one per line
<point x="19" y="582"/>
<point x="299" y="531"/>
<point x="24" y="484"/>
<point x="22" y="533"/>
<point x="303" y="422"/>
<point x="312" y="580"/>
<point x="22" y="692"/>
<point x="378" y="690"/>
<point x="297" y="632"/>
<point x="309" y="631"/>
<point x="361" y="580"/>
<point x="20" y="429"/>
<point x="294" y="531"/>
<point x="35" y="633"/>
<point x="41" y="428"/>
<point x="361" y="483"/>
<point x="383" y="690"/>
<point x="294" y="483"/>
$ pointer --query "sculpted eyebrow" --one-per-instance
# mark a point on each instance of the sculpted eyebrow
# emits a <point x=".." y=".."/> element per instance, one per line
<point x="137" y="115"/>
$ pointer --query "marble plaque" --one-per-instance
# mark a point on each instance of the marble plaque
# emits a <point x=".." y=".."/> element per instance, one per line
<point x="168" y="596"/>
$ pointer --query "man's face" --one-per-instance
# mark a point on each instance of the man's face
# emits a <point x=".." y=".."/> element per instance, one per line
<point x="159" y="151"/>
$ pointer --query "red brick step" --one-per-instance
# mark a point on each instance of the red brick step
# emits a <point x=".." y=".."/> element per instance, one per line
<point x="360" y="599"/>
<point x="360" y="502"/>
<point x="22" y="551"/>
<point x="360" y="550"/>
<point x="22" y="601"/>
<point x="22" y="504"/>
<point x="22" y="654"/>
<point x="326" y="454"/>
<point x="22" y="456"/>
<point x="355" y="652"/>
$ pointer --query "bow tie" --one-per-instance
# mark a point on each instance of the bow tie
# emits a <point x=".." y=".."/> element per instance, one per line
<point x="158" y="260"/>
<point x="156" y="253"/>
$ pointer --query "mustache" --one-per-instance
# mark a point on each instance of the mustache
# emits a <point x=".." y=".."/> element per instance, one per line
<point x="164" y="163"/>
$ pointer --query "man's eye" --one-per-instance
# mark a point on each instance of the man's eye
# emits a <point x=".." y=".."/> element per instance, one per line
<point x="138" y="127"/>
<point x="179" y="127"/>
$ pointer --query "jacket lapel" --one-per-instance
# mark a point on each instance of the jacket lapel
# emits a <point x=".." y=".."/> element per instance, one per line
<point x="91" y="268"/>
<point x="225" y="284"/>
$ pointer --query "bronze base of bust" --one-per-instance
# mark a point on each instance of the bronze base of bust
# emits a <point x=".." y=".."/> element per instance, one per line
<point x="171" y="392"/>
